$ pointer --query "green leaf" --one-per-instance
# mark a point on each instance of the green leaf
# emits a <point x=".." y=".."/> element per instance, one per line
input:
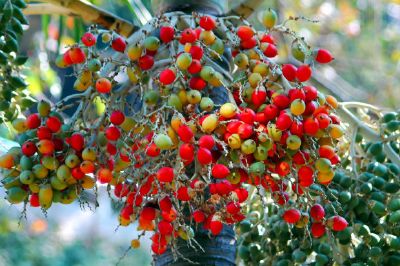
<point x="45" y="25"/>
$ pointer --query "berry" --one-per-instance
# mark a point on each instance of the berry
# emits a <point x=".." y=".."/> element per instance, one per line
<point x="317" y="212"/>
<point x="146" y="62"/>
<point x="118" y="44"/>
<point x="289" y="72"/>
<point x="33" y="121"/>
<point x="165" y="174"/>
<point x="292" y="216"/>
<point x="167" y="76"/>
<point x="317" y="230"/>
<point x="103" y="85"/>
<point x="88" y="39"/>
<point x="167" y="33"/>
<point x="53" y="123"/>
<point x="245" y="32"/>
<point x="117" y="117"/>
<point x="112" y="133"/>
<point x="207" y="23"/>
<point x="303" y="73"/>
<point x="323" y="56"/>
<point x="220" y="171"/>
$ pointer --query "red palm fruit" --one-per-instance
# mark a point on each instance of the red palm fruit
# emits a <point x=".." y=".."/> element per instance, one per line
<point x="159" y="239"/>
<point x="198" y="216"/>
<point x="28" y="148"/>
<point x="301" y="157"/>
<point x="289" y="72"/>
<point x="148" y="213"/>
<point x="245" y="131"/>
<point x="233" y="126"/>
<point x="77" y="173"/>
<point x="111" y="148"/>
<point x="317" y="212"/>
<point x="248" y="44"/>
<point x="284" y="121"/>
<point x="271" y="111"/>
<point x="337" y="223"/>
<point x="76" y="141"/>
<point x="326" y="151"/>
<point x="158" y="250"/>
<point x="305" y="176"/>
<point x="197" y="83"/>
<point x="103" y="85"/>
<point x="233" y="207"/>
<point x="165" y="228"/>
<point x="247" y="115"/>
<point x="220" y="171"/>
<point x="323" y="120"/>
<point x="281" y="101"/>
<point x="33" y="121"/>
<point x="261" y="118"/>
<point x="267" y="38"/>
<point x="43" y="132"/>
<point x="104" y="175"/>
<point x="88" y="39"/>
<point x="311" y="93"/>
<point x="207" y="23"/>
<point x="296" y="94"/>
<point x="167" y="76"/>
<point x="195" y="67"/>
<point x="320" y="110"/>
<point x="152" y="150"/>
<point x="167" y="33"/>
<point x="317" y="230"/>
<point x="186" y="151"/>
<point x="323" y="56"/>
<point x="245" y="32"/>
<point x="185" y="133"/>
<point x="118" y="44"/>
<point x="77" y="55"/>
<point x="196" y="52"/>
<point x="87" y="167"/>
<point x="121" y="190"/>
<point x="146" y="62"/>
<point x="117" y="117"/>
<point x="67" y="58"/>
<point x="165" y="174"/>
<point x="283" y="168"/>
<point x="216" y="227"/>
<point x="335" y="119"/>
<point x="169" y="215"/>
<point x="182" y="194"/>
<point x="335" y="159"/>
<point x="297" y="128"/>
<point x="188" y="36"/>
<point x="112" y="133"/>
<point x="165" y="204"/>
<point x="270" y="51"/>
<point x="303" y="73"/>
<point x="258" y="96"/>
<point x="134" y="198"/>
<point x="242" y="194"/>
<point x="310" y="108"/>
<point x="126" y="212"/>
<point x="204" y="156"/>
<point x="292" y="216"/>
<point x="34" y="200"/>
<point x="311" y="126"/>
<point x="207" y="141"/>
<point x="53" y="123"/>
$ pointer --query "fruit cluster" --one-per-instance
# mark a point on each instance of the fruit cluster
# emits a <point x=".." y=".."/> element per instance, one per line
<point x="52" y="165"/>
<point x="366" y="195"/>
<point x="180" y="155"/>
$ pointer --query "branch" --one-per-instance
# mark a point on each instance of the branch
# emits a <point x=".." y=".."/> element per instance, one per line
<point x="96" y="15"/>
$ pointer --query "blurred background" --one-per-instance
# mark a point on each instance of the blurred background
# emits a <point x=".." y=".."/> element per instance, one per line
<point x="363" y="35"/>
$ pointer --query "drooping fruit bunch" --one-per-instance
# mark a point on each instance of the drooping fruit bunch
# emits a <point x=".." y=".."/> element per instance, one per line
<point x="180" y="141"/>
<point x="365" y="191"/>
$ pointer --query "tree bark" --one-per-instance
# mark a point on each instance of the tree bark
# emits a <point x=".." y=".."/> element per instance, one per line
<point x="218" y="250"/>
